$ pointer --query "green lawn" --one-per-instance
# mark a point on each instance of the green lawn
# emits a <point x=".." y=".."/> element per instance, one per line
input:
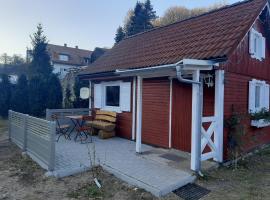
<point x="3" y="126"/>
<point x="249" y="181"/>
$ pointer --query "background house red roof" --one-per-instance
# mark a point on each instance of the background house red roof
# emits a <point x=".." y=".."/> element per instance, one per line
<point x="209" y="36"/>
<point x="76" y="56"/>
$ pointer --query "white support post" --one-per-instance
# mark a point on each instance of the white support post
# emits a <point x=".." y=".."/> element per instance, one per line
<point x="139" y="116"/>
<point x="134" y="108"/>
<point x="90" y="98"/>
<point x="219" y="113"/>
<point x="170" y="115"/>
<point x="196" y="123"/>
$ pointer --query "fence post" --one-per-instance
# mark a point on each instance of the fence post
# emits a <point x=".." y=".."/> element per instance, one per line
<point x="48" y="115"/>
<point x="9" y="124"/>
<point x="25" y="119"/>
<point x="52" y="146"/>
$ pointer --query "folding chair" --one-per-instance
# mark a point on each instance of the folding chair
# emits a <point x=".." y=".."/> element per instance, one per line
<point x="61" y="130"/>
<point x="84" y="130"/>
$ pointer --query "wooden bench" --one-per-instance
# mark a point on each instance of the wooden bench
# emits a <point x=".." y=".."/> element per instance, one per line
<point x="105" y="123"/>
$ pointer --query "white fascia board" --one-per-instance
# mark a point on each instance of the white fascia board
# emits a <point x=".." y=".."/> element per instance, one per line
<point x="187" y="64"/>
<point x="194" y="64"/>
<point x="199" y="62"/>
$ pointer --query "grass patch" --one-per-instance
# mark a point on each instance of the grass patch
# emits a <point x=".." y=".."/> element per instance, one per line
<point x="27" y="170"/>
<point x="87" y="191"/>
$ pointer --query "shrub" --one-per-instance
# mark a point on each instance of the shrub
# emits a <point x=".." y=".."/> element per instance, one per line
<point x="38" y="94"/>
<point x="5" y="88"/>
<point x="20" y="98"/>
<point x="55" y="95"/>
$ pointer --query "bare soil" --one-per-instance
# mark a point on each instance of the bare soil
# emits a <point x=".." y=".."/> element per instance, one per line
<point x="21" y="178"/>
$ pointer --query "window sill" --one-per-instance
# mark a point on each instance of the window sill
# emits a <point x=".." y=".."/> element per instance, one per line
<point x="260" y="123"/>
<point x="112" y="108"/>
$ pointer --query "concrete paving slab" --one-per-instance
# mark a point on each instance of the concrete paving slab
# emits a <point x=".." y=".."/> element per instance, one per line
<point x="118" y="156"/>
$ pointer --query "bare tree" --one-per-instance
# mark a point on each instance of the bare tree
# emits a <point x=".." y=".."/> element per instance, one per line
<point x="179" y="13"/>
<point x="5" y="59"/>
<point x="17" y="59"/>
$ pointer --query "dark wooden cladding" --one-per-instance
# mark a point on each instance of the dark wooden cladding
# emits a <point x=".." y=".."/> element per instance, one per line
<point x="239" y="70"/>
<point x="240" y="62"/>
<point x="208" y="101"/>
<point x="124" y="120"/>
<point x="155" y="112"/>
<point x="181" y="116"/>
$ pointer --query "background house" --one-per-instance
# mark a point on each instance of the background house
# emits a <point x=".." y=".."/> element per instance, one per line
<point x="64" y="58"/>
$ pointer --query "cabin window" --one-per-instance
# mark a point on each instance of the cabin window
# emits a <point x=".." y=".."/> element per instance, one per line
<point x="256" y="45"/>
<point x="258" y="96"/>
<point x="63" y="57"/>
<point x="112" y="96"/>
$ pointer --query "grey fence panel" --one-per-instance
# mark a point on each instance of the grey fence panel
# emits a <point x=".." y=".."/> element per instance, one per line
<point x="17" y="128"/>
<point x="35" y="136"/>
<point x="62" y="113"/>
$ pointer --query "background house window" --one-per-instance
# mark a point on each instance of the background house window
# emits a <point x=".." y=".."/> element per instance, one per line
<point x="63" y="57"/>
<point x="87" y="60"/>
<point x="112" y="96"/>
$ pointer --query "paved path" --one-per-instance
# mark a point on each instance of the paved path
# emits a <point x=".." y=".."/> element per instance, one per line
<point x="118" y="156"/>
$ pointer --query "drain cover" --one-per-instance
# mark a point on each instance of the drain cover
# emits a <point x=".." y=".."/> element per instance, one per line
<point x="191" y="192"/>
<point x="173" y="157"/>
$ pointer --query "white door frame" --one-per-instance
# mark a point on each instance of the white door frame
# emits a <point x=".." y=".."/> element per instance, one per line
<point x="201" y="137"/>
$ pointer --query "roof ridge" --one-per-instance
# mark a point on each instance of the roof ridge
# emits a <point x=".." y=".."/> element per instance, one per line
<point x="70" y="47"/>
<point x="194" y="17"/>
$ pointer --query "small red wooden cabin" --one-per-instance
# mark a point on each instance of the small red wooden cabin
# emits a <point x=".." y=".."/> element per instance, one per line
<point x="174" y="86"/>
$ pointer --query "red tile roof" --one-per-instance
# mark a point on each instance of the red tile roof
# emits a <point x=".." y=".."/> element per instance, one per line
<point x="76" y="55"/>
<point x="208" y="36"/>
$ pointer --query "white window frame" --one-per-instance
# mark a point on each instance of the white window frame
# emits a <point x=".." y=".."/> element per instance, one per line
<point x="263" y="98"/>
<point x="63" y="57"/>
<point x="256" y="45"/>
<point x="124" y="99"/>
<point x="110" y="108"/>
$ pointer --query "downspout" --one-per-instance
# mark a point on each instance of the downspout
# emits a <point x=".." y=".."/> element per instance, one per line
<point x="183" y="80"/>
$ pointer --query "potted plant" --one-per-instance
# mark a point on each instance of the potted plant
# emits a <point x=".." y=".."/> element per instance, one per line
<point x="260" y="119"/>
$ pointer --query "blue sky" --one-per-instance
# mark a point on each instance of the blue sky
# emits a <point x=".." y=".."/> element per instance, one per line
<point x="86" y="23"/>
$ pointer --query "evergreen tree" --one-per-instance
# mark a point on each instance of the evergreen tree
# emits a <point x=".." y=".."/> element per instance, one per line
<point x="19" y="99"/>
<point x="150" y="15"/>
<point x="38" y="94"/>
<point x="78" y="102"/>
<point x="5" y="89"/>
<point x="40" y="64"/>
<point x="136" y="20"/>
<point x="67" y="100"/>
<point x="44" y="87"/>
<point x="142" y="18"/>
<point x="55" y="95"/>
<point x="120" y="35"/>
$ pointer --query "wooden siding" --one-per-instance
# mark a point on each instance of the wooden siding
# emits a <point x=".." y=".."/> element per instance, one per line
<point x="239" y="70"/>
<point x="240" y="62"/>
<point x="155" y="112"/>
<point x="181" y="116"/>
